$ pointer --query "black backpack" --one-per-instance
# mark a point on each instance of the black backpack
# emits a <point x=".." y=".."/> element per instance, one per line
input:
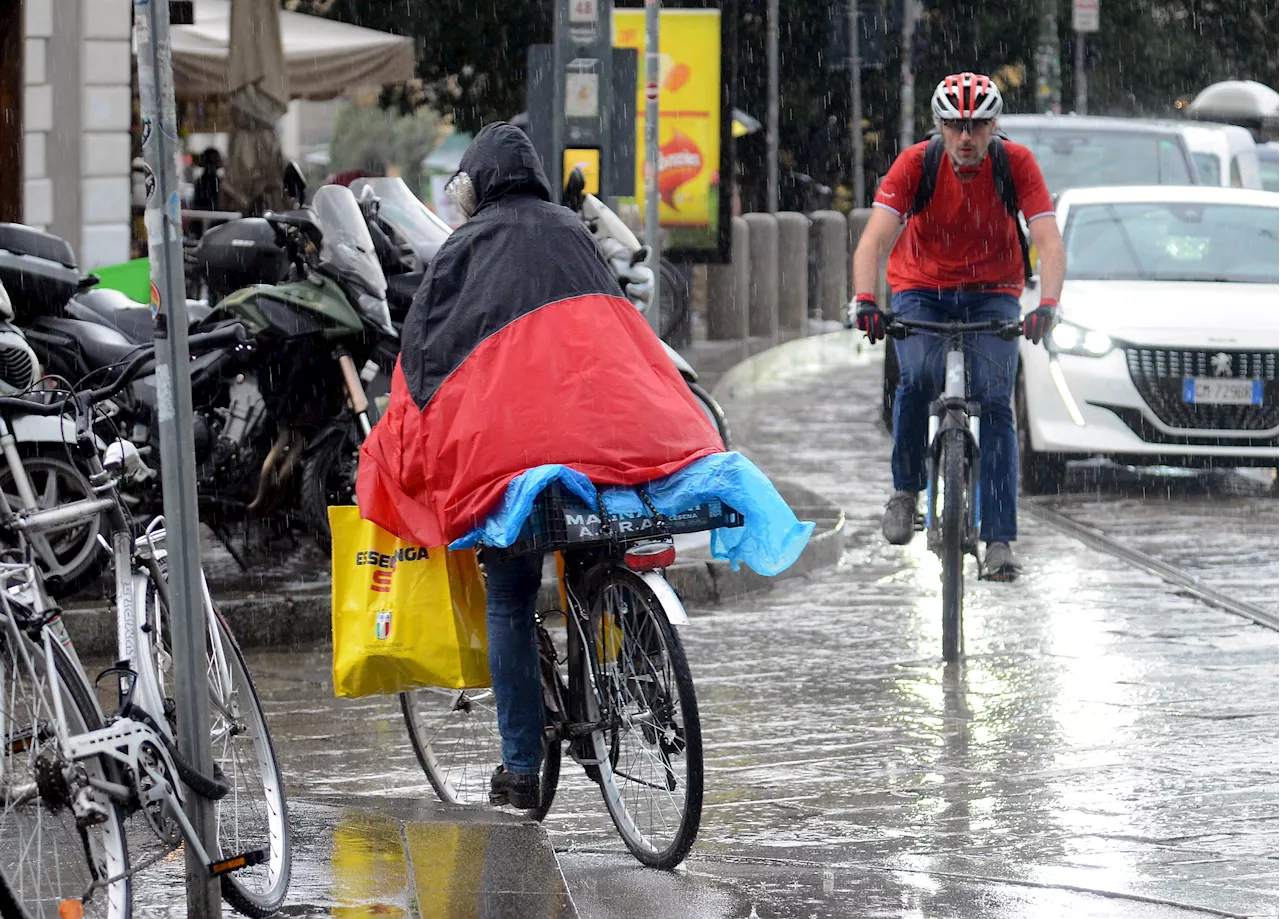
<point x="1001" y="172"/>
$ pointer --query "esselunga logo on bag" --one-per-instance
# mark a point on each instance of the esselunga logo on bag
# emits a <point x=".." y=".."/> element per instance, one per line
<point x="386" y="563"/>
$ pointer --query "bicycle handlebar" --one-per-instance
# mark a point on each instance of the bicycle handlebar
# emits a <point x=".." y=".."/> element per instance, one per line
<point x="200" y="342"/>
<point x="1008" y="329"/>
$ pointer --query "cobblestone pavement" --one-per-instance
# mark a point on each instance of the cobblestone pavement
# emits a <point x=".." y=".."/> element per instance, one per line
<point x="1108" y="749"/>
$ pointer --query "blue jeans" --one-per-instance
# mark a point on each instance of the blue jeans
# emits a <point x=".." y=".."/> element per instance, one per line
<point x="511" y="588"/>
<point x="993" y="367"/>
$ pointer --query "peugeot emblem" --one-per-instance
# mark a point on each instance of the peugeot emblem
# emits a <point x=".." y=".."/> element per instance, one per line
<point x="1221" y="363"/>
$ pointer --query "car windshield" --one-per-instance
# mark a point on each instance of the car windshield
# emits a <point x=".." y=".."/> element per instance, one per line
<point x="1173" y="241"/>
<point x="1081" y="158"/>
<point x="421" y="229"/>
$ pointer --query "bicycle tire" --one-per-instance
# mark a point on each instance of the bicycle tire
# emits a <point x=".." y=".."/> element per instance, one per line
<point x="454" y="735"/>
<point x="33" y="890"/>
<point x="649" y="653"/>
<point x="236" y="715"/>
<point x="954" y="516"/>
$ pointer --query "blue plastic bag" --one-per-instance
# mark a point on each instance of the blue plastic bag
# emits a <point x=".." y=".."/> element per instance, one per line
<point x="769" y="542"/>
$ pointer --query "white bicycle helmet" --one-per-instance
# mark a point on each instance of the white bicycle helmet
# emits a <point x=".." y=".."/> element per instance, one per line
<point x="963" y="96"/>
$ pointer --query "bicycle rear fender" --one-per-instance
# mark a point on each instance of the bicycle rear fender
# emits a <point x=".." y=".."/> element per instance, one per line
<point x="671" y="604"/>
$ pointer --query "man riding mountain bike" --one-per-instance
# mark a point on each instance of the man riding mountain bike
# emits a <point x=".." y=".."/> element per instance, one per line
<point x="961" y="257"/>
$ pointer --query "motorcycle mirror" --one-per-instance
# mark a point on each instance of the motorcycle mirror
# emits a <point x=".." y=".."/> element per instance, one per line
<point x="295" y="186"/>
<point x="573" y="189"/>
<point x="640" y="256"/>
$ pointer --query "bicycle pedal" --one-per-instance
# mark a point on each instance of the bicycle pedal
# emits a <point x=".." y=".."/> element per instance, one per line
<point x="919" y="524"/>
<point x="236" y="862"/>
<point x="498" y="798"/>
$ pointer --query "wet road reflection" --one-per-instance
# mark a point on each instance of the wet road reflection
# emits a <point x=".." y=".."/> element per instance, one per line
<point x="1108" y="749"/>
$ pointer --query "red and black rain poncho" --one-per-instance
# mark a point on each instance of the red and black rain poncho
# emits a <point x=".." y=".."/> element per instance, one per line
<point x="520" y="350"/>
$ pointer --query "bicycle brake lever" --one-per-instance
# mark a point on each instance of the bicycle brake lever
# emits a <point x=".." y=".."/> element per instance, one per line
<point x="896" y="330"/>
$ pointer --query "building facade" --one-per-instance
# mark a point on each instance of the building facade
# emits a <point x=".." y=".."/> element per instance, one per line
<point x="76" y="74"/>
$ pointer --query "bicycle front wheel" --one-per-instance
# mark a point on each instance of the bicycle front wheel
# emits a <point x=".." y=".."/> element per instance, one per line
<point x="651" y="745"/>
<point x="45" y="859"/>
<point x="253" y="815"/>
<point x="954" y="513"/>
<point x="454" y="733"/>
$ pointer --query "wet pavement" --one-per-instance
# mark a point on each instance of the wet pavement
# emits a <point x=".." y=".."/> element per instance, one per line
<point x="1108" y="748"/>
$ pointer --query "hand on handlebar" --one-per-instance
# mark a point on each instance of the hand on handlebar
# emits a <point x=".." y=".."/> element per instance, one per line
<point x="1040" y="321"/>
<point x="868" y="317"/>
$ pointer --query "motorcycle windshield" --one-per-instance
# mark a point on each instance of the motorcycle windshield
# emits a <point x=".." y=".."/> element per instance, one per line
<point x="347" y="250"/>
<point x="412" y="219"/>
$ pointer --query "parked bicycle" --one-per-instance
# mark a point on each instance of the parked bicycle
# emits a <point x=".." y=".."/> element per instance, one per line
<point x="952" y="503"/>
<point x="69" y="775"/>
<point x="619" y="693"/>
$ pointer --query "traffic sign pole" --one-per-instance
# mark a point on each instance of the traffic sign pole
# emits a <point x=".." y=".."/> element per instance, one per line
<point x="174" y="412"/>
<point x="1085" y="16"/>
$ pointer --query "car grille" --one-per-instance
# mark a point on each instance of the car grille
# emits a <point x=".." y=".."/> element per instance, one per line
<point x="1158" y="373"/>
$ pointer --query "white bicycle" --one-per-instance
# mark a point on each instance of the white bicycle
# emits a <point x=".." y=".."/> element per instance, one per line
<point x="70" y="775"/>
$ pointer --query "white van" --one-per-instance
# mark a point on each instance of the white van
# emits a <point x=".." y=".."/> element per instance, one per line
<point x="1225" y="154"/>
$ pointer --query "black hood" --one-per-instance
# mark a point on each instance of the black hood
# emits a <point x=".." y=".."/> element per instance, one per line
<point x="501" y="162"/>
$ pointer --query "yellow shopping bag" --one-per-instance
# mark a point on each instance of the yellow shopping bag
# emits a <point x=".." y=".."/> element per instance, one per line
<point x="404" y="616"/>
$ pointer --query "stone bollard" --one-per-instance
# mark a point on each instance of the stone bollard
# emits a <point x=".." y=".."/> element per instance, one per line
<point x="828" y="242"/>
<point x="729" y="290"/>
<point x="763" y="246"/>
<point x="793" y="271"/>
<point x="857" y="223"/>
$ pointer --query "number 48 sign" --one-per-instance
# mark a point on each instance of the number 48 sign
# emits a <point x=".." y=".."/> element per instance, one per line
<point x="584" y="12"/>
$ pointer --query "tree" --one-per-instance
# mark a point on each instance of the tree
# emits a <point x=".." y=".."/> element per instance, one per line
<point x="365" y="136"/>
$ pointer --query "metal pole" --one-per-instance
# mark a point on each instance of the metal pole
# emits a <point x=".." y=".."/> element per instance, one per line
<point x="771" y="51"/>
<point x="1082" y="81"/>
<point x="177" y="450"/>
<point x="652" y="162"/>
<point x="855" y="93"/>
<point x="907" y="131"/>
<point x="1048" y="61"/>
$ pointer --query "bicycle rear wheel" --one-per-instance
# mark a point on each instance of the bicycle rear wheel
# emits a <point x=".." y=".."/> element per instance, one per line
<point x="651" y="762"/>
<point x="954" y="514"/>
<point x="44" y="858"/>
<point x="254" y="814"/>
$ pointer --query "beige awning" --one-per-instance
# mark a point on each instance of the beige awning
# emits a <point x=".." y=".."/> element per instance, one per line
<point x="323" y="58"/>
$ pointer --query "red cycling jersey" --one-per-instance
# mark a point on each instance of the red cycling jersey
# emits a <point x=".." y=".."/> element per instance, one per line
<point x="964" y="238"/>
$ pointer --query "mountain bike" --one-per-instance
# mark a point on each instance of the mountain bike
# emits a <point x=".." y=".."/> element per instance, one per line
<point x="70" y="775"/>
<point x="952" y="519"/>
<point x="620" y="694"/>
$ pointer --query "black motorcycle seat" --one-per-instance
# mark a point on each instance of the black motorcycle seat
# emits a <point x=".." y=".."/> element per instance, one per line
<point x="400" y="291"/>
<point x="102" y="345"/>
<point x="128" y="317"/>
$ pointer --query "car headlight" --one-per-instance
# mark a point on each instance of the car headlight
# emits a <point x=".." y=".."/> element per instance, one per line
<point x="1068" y="338"/>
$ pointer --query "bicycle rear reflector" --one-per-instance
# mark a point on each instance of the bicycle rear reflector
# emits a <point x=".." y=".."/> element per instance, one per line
<point x="651" y="556"/>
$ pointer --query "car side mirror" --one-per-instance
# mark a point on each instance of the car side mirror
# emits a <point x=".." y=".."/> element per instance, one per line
<point x="295" y="186"/>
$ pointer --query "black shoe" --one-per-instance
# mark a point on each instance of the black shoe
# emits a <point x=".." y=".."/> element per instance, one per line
<point x="523" y="792"/>
<point x="899" y="523"/>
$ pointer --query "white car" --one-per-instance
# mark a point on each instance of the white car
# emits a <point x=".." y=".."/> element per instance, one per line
<point x="1225" y="154"/>
<point x="1170" y="337"/>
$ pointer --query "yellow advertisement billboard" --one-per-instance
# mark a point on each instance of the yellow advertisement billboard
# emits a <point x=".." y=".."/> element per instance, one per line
<point x="690" y="119"/>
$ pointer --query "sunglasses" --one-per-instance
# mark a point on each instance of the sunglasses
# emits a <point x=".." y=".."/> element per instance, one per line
<point x="968" y="125"/>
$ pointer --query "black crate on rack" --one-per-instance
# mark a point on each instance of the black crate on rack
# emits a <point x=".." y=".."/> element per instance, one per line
<point x="560" y="520"/>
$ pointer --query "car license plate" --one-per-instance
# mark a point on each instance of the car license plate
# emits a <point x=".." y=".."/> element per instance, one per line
<point x="1217" y="391"/>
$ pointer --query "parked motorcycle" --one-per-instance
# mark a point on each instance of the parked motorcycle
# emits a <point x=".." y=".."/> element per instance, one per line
<point x="298" y="410"/>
